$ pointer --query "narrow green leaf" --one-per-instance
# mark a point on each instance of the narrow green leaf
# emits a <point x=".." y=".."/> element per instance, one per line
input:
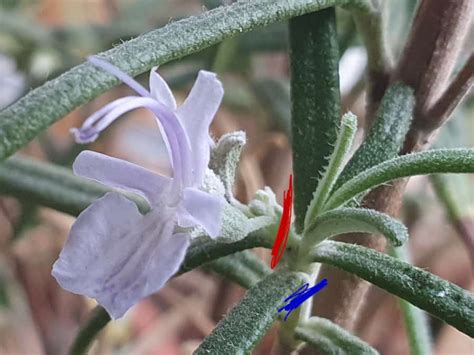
<point x="386" y="136"/>
<point x="22" y="121"/>
<point x="203" y="250"/>
<point x="98" y="320"/>
<point x="328" y="338"/>
<point x="248" y="321"/>
<point x="434" y="161"/>
<point x="243" y="268"/>
<point x="315" y="102"/>
<point x="336" y="163"/>
<point x="416" y="324"/>
<point x="444" y="300"/>
<point x="357" y="220"/>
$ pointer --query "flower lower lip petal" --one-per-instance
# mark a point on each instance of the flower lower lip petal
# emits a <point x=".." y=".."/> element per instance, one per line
<point x="118" y="256"/>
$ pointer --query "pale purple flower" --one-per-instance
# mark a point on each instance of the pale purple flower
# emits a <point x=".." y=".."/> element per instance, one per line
<point x="114" y="253"/>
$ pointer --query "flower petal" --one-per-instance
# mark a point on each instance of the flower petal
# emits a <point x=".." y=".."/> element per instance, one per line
<point x="160" y="90"/>
<point x="203" y="209"/>
<point x="121" y="174"/>
<point x="117" y="256"/>
<point x="196" y="115"/>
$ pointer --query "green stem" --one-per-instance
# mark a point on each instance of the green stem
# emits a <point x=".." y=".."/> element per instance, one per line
<point x="369" y="22"/>
<point x="415" y="319"/>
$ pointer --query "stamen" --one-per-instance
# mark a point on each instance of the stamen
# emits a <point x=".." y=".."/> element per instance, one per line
<point x="174" y="132"/>
<point x="125" y="78"/>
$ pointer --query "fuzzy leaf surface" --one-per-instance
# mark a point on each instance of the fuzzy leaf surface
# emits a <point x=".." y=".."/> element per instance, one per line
<point x="358" y="220"/>
<point x="434" y="161"/>
<point x="241" y="329"/>
<point x="315" y="102"/>
<point x="386" y="136"/>
<point x="446" y="301"/>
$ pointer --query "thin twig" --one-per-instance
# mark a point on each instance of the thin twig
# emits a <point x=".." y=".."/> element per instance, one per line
<point x="453" y="95"/>
<point x="428" y="60"/>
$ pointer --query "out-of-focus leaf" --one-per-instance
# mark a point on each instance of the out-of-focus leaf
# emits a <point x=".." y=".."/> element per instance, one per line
<point x="416" y="324"/>
<point x="274" y="96"/>
<point x="328" y="338"/>
<point x="49" y="185"/>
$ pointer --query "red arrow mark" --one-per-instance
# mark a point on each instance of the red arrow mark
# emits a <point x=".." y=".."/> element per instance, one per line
<point x="284" y="228"/>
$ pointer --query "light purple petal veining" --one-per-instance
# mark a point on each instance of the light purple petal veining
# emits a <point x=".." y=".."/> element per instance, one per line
<point x="196" y="115"/>
<point x="160" y="90"/>
<point x="121" y="174"/>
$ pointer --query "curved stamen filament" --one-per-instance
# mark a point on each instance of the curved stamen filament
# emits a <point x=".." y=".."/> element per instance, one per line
<point x="174" y="132"/>
<point x="125" y="78"/>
